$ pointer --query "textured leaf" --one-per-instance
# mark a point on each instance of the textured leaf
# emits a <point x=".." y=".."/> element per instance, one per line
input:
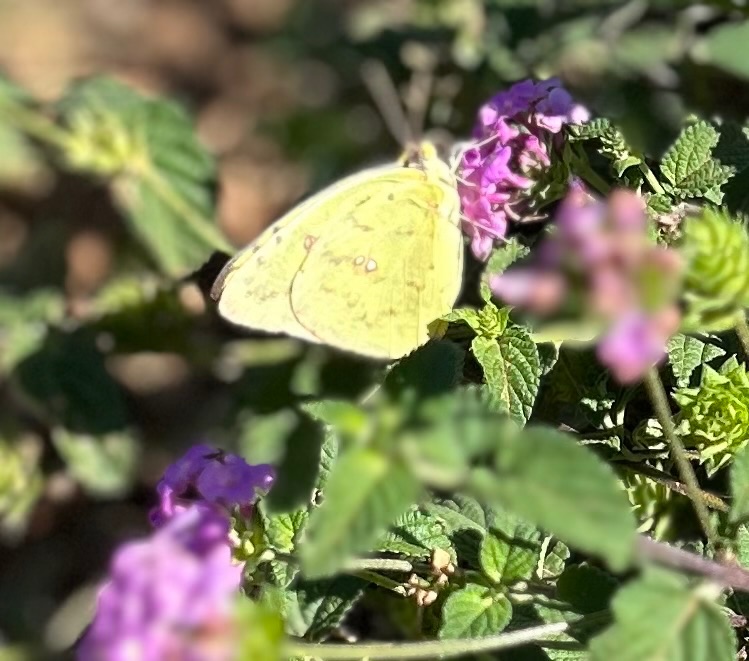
<point x="686" y="354"/>
<point x="659" y="618"/>
<point x="689" y="165"/>
<point x="474" y="611"/>
<point x="512" y="369"/>
<point x="162" y="177"/>
<point x="321" y="605"/>
<point x="416" y="533"/>
<point x="465" y="524"/>
<point x="564" y="488"/>
<point x="500" y="260"/>
<point x="740" y="486"/>
<point x="510" y="554"/>
<point x="365" y="493"/>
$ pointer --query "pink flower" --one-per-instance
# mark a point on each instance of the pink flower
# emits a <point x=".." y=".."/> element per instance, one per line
<point x="515" y="135"/>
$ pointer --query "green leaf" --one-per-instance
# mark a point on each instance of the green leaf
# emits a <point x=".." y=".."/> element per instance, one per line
<point x="659" y="617"/>
<point x="503" y="257"/>
<point x="323" y="604"/>
<point x="347" y="419"/>
<point x="512" y="369"/>
<point x="465" y="524"/>
<point x="510" y="554"/>
<point x="68" y="380"/>
<point x="416" y="533"/>
<point x="690" y="168"/>
<point x="612" y="142"/>
<point x="298" y="470"/>
<point x="474" y="611"/>
<point x="587" y="588"/>
<point x="724" y="47"/>
<point x="740" y="486"/>
<point x="103" y="465"/>
<point x="560" y="486"/>
<point x="433" y="369"/>
<point x="365" y="493"/>
<point x="261" y="632"/>
<point x="687" y="353"/>
<point x="161" y="176"/>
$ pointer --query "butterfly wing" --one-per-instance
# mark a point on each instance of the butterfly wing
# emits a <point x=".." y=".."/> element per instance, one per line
<point x="388" y="268"/>
<point x="254" y="288"/>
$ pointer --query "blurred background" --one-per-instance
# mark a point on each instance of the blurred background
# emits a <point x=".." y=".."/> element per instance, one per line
<point x="109" y="367"/>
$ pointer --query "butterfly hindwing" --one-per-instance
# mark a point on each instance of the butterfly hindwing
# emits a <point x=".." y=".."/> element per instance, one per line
<point x="365" y="265"/>
<point x="374" y="284"/>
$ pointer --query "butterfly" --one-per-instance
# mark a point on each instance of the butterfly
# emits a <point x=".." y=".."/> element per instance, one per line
<point x="364" y="265"/>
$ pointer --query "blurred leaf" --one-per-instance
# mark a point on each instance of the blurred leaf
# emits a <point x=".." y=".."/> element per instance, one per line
<point x="260" y="632"/>
<point x="740" y="486"/>
<point x="587" y="588"/>
<point x="546" y="477"/>
<point x="69" y="382"/>
<point x="323" y="604"/>
<point x="687" y="353"/>
<point x="512" y="369"/>
<point x="689" y="165"/>
<point x="21" y="484"/>
<point x="433" y="369"/>
<point x="348" y="420"/>
<point x="24" y="323"/>
<point x="299" y="468"/>
<point x="365" y="493"/>
<point x="474" y="611"/>
<point x="161" y="176"/>
<point x="724" y="45"/>
<point x="103" y="465"/>
<point x="659" y="617"/>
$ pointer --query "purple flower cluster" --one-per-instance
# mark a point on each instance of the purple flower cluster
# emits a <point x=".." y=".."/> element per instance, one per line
<point x="600" y="254"/>
<point x="171" y="595"/>
<point x="167" y="597"/>
<point x="207" y="475"/>
<point x="515" y="133"/>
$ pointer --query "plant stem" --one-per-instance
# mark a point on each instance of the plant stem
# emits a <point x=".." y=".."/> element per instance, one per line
<point x="712" y="500"/>
<point x="663" y="412"/>
<point x="742" y="330"/>
<point x="34" y="124"/>
<point x="433" y="649"/>
<point x="651" y="179"/>
<point x="727" y="575"/>
<point x="377" y="579"/>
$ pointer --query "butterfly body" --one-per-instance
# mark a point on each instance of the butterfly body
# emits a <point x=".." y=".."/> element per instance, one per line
<point x="364" y="266"/>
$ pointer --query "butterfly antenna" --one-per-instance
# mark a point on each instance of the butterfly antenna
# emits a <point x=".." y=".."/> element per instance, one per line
<point x="388" y="102"/>
<point x="417" y="99"/>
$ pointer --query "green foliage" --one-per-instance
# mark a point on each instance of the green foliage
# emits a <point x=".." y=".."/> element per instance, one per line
<point x="21" y="484"/>
<point x="507" y="355"/>
<point x="474" y="611"/>
<point x="714" y="416"/>
<point x="365" y="493"/>
<point x="689" y="166"/>
<point x="610" y="140"/>
<point x="511" y="553"/>
<point x="161" y="175"/>
<point x="660" y="617"/>
<point x="740" y="487"/>
<point x="716" y="288"/>
<point x="261" y="632"/>
<point x="562" y="487"/>
<point x="687" y="353"/>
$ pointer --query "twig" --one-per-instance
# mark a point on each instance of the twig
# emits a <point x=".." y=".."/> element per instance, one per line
<point x="433" y="649"/>
<point x="733" y="576"/>
<point x="663" y="413"/>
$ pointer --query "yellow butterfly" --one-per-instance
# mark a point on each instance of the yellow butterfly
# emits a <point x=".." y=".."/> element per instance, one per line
<point x="365" y="265"/>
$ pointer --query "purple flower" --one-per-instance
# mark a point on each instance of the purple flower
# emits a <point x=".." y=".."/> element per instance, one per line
<point x="635" y="343"/>
<point x="601" y="256"/>
<point x="207" y="475"/>
<point x="167" y="597"/>
<point x="515" y="136"/>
